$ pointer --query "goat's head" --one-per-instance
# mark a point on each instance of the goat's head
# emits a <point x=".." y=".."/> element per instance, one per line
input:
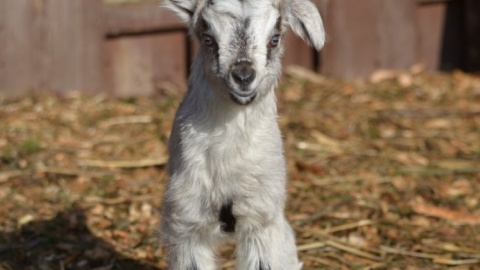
<point x="242" y="40"/>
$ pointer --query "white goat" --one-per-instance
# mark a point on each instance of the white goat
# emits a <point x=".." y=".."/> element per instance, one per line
<point x="227" y="170"/>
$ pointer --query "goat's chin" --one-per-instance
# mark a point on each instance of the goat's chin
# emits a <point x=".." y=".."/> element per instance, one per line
<point x="243" y="101"/>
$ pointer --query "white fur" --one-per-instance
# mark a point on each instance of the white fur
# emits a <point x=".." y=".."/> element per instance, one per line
<point x="305" y="21"/>
<point x="222" y="151"/>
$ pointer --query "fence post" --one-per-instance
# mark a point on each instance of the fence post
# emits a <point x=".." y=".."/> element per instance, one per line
<point x="472" y="24"/>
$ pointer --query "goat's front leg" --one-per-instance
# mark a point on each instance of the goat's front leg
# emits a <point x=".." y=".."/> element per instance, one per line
<point x="193" y="253"/>
<point x="187" y="233"/>
<point x="268" y="248"/>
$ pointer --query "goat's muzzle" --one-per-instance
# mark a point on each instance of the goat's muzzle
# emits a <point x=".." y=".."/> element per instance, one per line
<point x="243" y="75"/>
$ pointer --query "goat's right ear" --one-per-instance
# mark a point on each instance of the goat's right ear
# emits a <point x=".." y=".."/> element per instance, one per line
<point x="184" y="8"/>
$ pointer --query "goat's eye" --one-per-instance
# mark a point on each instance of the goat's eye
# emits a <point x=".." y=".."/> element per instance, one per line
<point x="208" y="40"/>
<point x="275" y="40"/>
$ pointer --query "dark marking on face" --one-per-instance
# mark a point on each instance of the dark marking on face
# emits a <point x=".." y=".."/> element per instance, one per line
<point x="277" y="30"/>
<point x="246" y="22"/>
<point x="261" y="266"/>
<point x="193" y="267"/>
<point x="278" y="24"/>
<point x="205" y="26"/>
<point x="227" y="218"/>
<point x="201" y="26"/>
<point x="213" y="49"/>
<point x="269" y="55"/>
<point x="216" y="56"/>
<point x="241" y="39"/>
<point x="240" y="102"/>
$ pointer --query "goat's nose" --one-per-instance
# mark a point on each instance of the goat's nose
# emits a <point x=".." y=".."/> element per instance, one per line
<point x="243" y="73"/>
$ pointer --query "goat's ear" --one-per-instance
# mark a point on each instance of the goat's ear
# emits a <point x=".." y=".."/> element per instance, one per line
<point x="183" y="8"/>
<point x="304" y="19"/>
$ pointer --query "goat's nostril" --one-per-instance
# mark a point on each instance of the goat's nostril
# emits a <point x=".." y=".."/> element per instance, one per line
<point x="243" y="77"/>
<point x="243" y="74"/>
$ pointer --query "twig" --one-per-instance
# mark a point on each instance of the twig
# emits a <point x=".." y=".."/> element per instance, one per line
<point x="5" y="176"/>
<point x="436" y="258"/>
<point x="421" y="207"/>
<point x="334" y="242"/>
<point x="350" y="226"/>
<point x="450" y="247"/>
<point x="72" y="172"/>
<point x="134" y="119"/>
<point x="127" y="164"/>
<point x="437" y="171"/>
<point x="118" y="200"/>
<point x="317" y="215"/>
<point x="468" y="255"/>
<point x="323" y="261"/>
<point x="448" y="261"/>
<point x="409" y="253"/>
<point x="427" y="113"/>
<point x="376" y="266"/>
<point x="310" y="246"/>
<point x="352" y="250"/>
<point x="327" y="181"/>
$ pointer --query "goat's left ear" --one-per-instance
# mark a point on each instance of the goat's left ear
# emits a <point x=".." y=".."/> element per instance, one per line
<point x="183" y="8"/>
<point x="305" y="20"/>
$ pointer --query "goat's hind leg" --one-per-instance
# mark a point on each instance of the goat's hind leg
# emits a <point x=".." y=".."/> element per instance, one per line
<point x="269" y="248"/>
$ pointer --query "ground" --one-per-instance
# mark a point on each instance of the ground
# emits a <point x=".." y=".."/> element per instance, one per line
<point x="384" y="173"/>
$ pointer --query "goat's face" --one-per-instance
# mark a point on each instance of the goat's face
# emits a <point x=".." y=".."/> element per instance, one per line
<point x="241" y="40"/>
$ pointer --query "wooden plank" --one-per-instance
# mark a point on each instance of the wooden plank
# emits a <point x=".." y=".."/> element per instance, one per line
<point x="140" y="18"/>
<point x="397" y="29"/>
<point x="351" y="38"/>
<point x="297" y="52"/>
<point x="19" y="36"/>
<point x="136" y="65"/>
<point x="364" y="36"/>
<point x="472" y="31"/>
<point x="74" y="39"/>
<point x="430" y="20"/>
<point x="3" y="69"/>
<point x="51" y="44"/>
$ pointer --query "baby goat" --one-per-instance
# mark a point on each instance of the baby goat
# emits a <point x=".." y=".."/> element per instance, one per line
<point x="227" y="170"/>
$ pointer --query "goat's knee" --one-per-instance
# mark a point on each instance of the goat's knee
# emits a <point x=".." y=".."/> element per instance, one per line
<point x="269" y="248"/>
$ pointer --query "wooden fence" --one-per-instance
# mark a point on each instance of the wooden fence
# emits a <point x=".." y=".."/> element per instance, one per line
<point x="64" y="45"/>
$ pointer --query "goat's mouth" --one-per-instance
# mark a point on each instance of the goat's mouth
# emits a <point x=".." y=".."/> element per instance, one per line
<point x="243" y="99"/>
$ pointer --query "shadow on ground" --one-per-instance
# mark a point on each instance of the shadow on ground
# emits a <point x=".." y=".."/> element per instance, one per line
<point x="64" y="242"/>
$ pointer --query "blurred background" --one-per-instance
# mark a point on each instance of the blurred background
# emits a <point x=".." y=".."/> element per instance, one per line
<point x="381" y="134"/>
<point x="133" y="47"/>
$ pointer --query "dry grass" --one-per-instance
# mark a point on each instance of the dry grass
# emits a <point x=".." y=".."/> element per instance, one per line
<point x="384" y="174"/>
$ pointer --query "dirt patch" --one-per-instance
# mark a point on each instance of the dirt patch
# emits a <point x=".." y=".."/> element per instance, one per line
<point x="383" y="174"/>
